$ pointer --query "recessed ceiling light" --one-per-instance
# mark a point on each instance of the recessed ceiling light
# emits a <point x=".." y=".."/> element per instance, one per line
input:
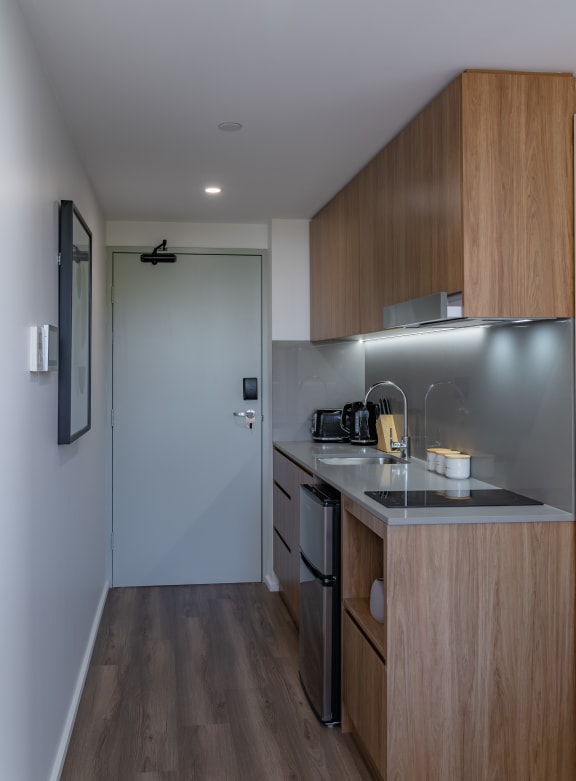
<point x="230" y="126"/>
<point x="213" y="190"/>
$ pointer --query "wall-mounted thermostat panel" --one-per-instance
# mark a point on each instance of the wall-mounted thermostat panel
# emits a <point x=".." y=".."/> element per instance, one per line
<point x="43" y="348"/>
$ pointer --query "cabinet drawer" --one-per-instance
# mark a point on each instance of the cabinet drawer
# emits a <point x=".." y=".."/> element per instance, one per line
<point x="287" y="569"/>
<point x="364" y="692"/>
<point x="284" y="522"/>
<point x="283" y="472"/>
<point x="281" y="560"/>
<point x="289" y="475"/>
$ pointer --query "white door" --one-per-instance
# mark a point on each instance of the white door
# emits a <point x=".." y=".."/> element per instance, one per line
<point x="186" y="470"/>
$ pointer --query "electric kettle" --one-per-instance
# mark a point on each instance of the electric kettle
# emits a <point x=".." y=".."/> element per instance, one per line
<point x="359" y="422"/>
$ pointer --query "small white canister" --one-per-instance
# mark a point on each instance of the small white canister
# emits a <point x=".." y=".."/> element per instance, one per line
<point x="457" y="466"/>
<point x="377" y="600"/>
<point x="431" y="458"/>
<point x="441" y="454"/>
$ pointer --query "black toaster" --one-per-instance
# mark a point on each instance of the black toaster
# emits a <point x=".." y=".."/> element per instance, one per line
<point x="326" y="426"/>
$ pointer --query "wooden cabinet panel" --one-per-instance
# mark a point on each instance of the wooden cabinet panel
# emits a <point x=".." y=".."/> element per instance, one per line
<point x="481" y="651"/>
<point x="283" y="469"/>
<point x="419" y="213"/>
<point x="364" y="693"/>
<point x="288" y="477"/>
<point x="388" y="223"/>
<point x="283" y="567"/>
<point x="283" y="509"/>
<point x="363" y="638"/>
<point x="518" y="194"/>
<point x="334" y="267"/>
<point x="479" y="648"/>
<point x="363" y="550"/>
<point x="475" y="195"/>
<point x="373" y="279"/>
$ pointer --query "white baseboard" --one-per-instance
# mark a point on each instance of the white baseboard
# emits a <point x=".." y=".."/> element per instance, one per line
<point x="271" y="582"/>
<point x="83" y="672"/>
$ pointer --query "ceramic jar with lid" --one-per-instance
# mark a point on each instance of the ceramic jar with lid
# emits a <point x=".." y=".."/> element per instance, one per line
<point x="431" y="458"/>
<point x="441" y="454"/>
<point x="457" y="465"/>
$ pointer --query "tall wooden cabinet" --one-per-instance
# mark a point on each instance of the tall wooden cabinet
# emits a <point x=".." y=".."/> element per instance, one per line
<point x="475" y="195"/>
<point x="471" y="676"/>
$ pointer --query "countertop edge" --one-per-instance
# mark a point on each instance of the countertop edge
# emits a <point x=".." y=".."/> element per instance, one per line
<point x="353" y="481"/>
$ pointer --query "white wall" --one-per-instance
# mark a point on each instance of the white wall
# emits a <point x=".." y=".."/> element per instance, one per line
<point x="289" y="249"/>
<point x="52" y="507"/>
<point x="290" y="253"/>
<point x="203" y="235"/>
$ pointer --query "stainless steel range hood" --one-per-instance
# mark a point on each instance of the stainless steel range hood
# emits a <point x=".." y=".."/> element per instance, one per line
<point x="439" y="311"/>
<point x="438" y="308"/>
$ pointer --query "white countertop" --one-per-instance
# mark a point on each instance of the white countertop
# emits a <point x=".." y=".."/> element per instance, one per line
<point x="353" y="481"/>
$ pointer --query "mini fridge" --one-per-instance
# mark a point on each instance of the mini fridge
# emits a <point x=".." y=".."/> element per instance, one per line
<point x="319" y="632"/>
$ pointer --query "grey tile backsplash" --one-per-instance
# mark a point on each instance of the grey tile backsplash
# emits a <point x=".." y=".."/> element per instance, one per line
<point x="309" y="376"/>
<point x="504" y="394"/>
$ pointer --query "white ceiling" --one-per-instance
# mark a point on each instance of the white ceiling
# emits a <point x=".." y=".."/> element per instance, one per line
<point x="318" y="85"/>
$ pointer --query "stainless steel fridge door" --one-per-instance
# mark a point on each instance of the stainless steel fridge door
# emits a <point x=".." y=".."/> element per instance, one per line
<point x="319" y="529"/>
<point x="316" y="644"/>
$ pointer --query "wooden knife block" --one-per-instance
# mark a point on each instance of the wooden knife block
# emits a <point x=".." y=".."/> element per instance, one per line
<point x="383" y="425"/>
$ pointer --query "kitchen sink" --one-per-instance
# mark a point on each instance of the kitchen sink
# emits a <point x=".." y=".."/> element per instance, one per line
<point x="358" y="460"/>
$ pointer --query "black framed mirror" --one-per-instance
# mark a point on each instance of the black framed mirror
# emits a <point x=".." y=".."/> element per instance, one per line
<point x="75" y="325"/>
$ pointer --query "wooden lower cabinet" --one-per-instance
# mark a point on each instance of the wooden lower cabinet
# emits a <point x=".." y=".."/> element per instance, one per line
<point x="472" y="675"/>
<point x="285" y="572"/>
<point x="288" y="477"/>
<point x="364" y="693"/>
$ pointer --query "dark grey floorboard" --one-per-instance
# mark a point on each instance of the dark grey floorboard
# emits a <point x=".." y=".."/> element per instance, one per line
<point x="200" y="683"/>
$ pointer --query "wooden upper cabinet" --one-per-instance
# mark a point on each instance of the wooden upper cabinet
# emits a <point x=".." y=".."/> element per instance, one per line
<point x="518" y="194"/>
<point x="418" y="214"/>
<point x="475" y="195"/>
<point x="372" y="281"/>
<point x="334" y="267"/>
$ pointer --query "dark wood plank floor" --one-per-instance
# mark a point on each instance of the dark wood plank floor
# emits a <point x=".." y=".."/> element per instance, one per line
<point x="201" y="683"/>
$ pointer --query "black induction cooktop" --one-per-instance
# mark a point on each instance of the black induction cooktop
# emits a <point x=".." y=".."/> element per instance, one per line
<point x="492" y="497"/>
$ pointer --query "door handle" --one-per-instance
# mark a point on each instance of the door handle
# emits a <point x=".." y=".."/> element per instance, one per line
<point x="250" y="416"/>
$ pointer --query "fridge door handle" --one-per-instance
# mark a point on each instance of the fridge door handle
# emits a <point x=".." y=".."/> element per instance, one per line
<point x="326" y="580"/>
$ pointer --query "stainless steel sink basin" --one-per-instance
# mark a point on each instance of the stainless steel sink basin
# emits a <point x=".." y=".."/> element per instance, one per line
<point x="358" y="460"/>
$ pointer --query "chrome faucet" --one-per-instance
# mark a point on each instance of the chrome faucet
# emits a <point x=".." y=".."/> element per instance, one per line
<point x="404" y="444"/>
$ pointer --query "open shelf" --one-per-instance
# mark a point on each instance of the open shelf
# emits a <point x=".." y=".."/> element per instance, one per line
<point x="364" y="544"/>
<point x="359" y="610"/>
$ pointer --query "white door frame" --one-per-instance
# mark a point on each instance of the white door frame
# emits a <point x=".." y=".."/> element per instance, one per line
<point x="266" y="391"/>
